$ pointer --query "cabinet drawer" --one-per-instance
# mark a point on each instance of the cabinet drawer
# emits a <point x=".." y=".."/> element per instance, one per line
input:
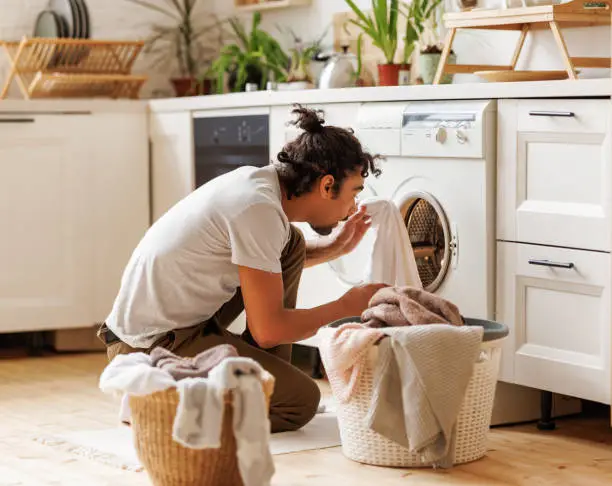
<point x="555" y="175"/>
<point x="556" y="302"/>
<point x="567" y="116"/>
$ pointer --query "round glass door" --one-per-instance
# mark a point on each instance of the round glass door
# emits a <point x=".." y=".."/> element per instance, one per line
<point x="430" y="236"/>
<point x="351" y="268"/>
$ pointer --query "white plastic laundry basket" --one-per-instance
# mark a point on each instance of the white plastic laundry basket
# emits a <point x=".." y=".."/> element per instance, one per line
<point x="362" y="444"/>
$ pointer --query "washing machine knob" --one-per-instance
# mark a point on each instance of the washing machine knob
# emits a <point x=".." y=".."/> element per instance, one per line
<point x="461" y="137"/>
<point x="441" y="135"/>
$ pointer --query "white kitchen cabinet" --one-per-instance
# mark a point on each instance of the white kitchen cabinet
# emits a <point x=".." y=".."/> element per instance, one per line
<point x="172" y="159"/>
<point x="73" y="204"/>
<point x="556" y="302"/>
<point x="46" y="204"/>
<point x="121" y="199"/>
<point x="555" y="173"/>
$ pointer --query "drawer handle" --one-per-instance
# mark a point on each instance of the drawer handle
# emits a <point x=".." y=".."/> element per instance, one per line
<point x="564" y="114"/>
<point x="17" y="120"/>
<point x="548" y="263"/>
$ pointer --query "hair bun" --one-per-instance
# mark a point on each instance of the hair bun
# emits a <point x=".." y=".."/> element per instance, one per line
<point x="309" y="120"/>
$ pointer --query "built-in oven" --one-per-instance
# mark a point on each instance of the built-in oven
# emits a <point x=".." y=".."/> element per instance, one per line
<point x="228" y="139"/>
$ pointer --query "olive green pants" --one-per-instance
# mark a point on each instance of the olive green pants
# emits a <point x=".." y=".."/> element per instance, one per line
<point x="296" y="396"/>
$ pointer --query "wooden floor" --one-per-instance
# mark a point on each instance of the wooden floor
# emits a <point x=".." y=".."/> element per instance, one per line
<point x="55" y="394"/>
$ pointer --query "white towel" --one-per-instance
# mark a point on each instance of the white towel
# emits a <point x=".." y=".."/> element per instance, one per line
<point x="199" y="416"/>
<point x="392" y="261"/>
<point x="419" y="385"/>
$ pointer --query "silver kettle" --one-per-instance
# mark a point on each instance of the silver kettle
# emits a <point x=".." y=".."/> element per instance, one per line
<point x="340" y="71"/>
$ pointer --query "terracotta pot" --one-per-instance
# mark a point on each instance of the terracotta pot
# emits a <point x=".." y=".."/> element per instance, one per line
<point x="388" y="74"/>
<point x="190" y="86"/>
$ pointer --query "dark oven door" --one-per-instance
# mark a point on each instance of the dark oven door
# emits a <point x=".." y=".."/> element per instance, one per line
<point x="224" y="143"/>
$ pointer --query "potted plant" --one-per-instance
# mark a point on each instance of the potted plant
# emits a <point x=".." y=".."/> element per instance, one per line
<point x="431" y="45"/>
<point x="302" y="53"/>
<point x="255" y="57"/>
<point x="183" y="43"/>
<point x="381" y="26"/>
<point x="418" y="13"/>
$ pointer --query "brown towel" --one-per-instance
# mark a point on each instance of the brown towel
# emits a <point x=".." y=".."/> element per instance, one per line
<point x="195" y="367"/>
<point x="406" y="306"/>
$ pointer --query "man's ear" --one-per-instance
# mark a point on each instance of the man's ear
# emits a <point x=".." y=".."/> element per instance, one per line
<point x="326" y="186"/>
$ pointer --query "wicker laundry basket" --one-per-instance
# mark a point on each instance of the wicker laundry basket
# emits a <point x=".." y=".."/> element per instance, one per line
<point x="362" y="444"/>
<point x="167" y="462"/>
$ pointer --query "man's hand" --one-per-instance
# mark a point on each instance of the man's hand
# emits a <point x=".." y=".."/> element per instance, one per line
<point x="351" y="233"/>
<point x="357" y="299"/>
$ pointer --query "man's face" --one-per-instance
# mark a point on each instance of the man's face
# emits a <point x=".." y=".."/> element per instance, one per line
<point x="336" y="208"/>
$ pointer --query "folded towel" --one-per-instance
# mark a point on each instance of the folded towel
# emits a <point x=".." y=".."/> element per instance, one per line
<point x="199" y="416"/>
<point x="195" y="367"/>
<point x="343" y="352"/>
<point x="419" y="385"/>
<point x="407" y="306"/>
<point x="392" y="260"/>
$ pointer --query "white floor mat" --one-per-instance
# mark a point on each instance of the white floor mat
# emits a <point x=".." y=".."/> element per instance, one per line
<point x="115" y="446"/>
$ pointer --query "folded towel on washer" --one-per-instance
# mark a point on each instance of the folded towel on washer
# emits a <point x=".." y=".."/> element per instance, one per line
<point x="407" y="306"/>
<point x="392" y="260"/>
<point x="196" y="367"/>
<point x="344" y="351"/>
<point x="420" y="381"/>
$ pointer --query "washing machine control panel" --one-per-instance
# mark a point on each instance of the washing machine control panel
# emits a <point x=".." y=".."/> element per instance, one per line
<point x="442" y="133"/>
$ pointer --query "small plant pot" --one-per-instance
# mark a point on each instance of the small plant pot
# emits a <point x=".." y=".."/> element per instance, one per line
<point x="428" y="65"/>
<point x="388" y="74"/>
<point x="190" y="86"/>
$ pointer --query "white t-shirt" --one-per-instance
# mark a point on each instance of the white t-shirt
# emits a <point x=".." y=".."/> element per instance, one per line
<point x="186" y="266"/>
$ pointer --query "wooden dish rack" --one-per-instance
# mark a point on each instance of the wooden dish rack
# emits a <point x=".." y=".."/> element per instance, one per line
<point x="73" y="68"/>
<point x="577" y="13"/>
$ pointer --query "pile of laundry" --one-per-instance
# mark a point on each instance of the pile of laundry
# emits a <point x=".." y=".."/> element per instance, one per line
<point x="426" y="358"/>
<point x="202" y="383"/>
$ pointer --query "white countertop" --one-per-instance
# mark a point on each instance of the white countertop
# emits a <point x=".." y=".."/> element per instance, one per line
<point x="60" y="106"/>
<point x="538" y="89"/>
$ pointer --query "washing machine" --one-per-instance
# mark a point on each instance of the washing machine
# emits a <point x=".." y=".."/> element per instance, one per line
<point x="439" y="170"/>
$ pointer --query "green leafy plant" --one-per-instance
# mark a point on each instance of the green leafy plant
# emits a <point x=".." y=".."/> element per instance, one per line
<point x="254" y="57"/>
<point x="380" y="26"/>
<point x="301" y="53"/>
<point x="420" y="14"/>
<point x="193" y="47"/>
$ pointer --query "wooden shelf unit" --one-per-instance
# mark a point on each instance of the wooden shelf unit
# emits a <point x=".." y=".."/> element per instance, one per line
<point x="577" y="13"/>
<point x="46" y="68"/>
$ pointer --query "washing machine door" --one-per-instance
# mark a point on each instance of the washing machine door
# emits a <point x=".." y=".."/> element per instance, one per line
<point x="433" y="243"/>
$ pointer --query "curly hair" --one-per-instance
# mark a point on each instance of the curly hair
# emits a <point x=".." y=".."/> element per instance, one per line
<point x="318" y="151"/>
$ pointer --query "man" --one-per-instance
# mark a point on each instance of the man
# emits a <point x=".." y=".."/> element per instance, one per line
<point x="230" y="246"/>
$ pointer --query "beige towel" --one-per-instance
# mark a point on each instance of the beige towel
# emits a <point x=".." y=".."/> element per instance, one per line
<point x="344" y="352"/>
<point x="196" y="367"/>
<point x="407" y="306"/>
<point x="419" y="386"/>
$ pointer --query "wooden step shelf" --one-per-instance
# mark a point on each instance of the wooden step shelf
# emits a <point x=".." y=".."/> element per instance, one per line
<point x="577" y="13"/>
<point x="46" y="68"/>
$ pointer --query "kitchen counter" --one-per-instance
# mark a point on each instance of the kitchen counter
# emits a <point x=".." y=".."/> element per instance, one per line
<point x="71" y="106"/>
<point x="601" y="87"/>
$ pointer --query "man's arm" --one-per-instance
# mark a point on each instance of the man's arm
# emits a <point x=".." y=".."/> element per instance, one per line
<point x="271" y="324"/>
